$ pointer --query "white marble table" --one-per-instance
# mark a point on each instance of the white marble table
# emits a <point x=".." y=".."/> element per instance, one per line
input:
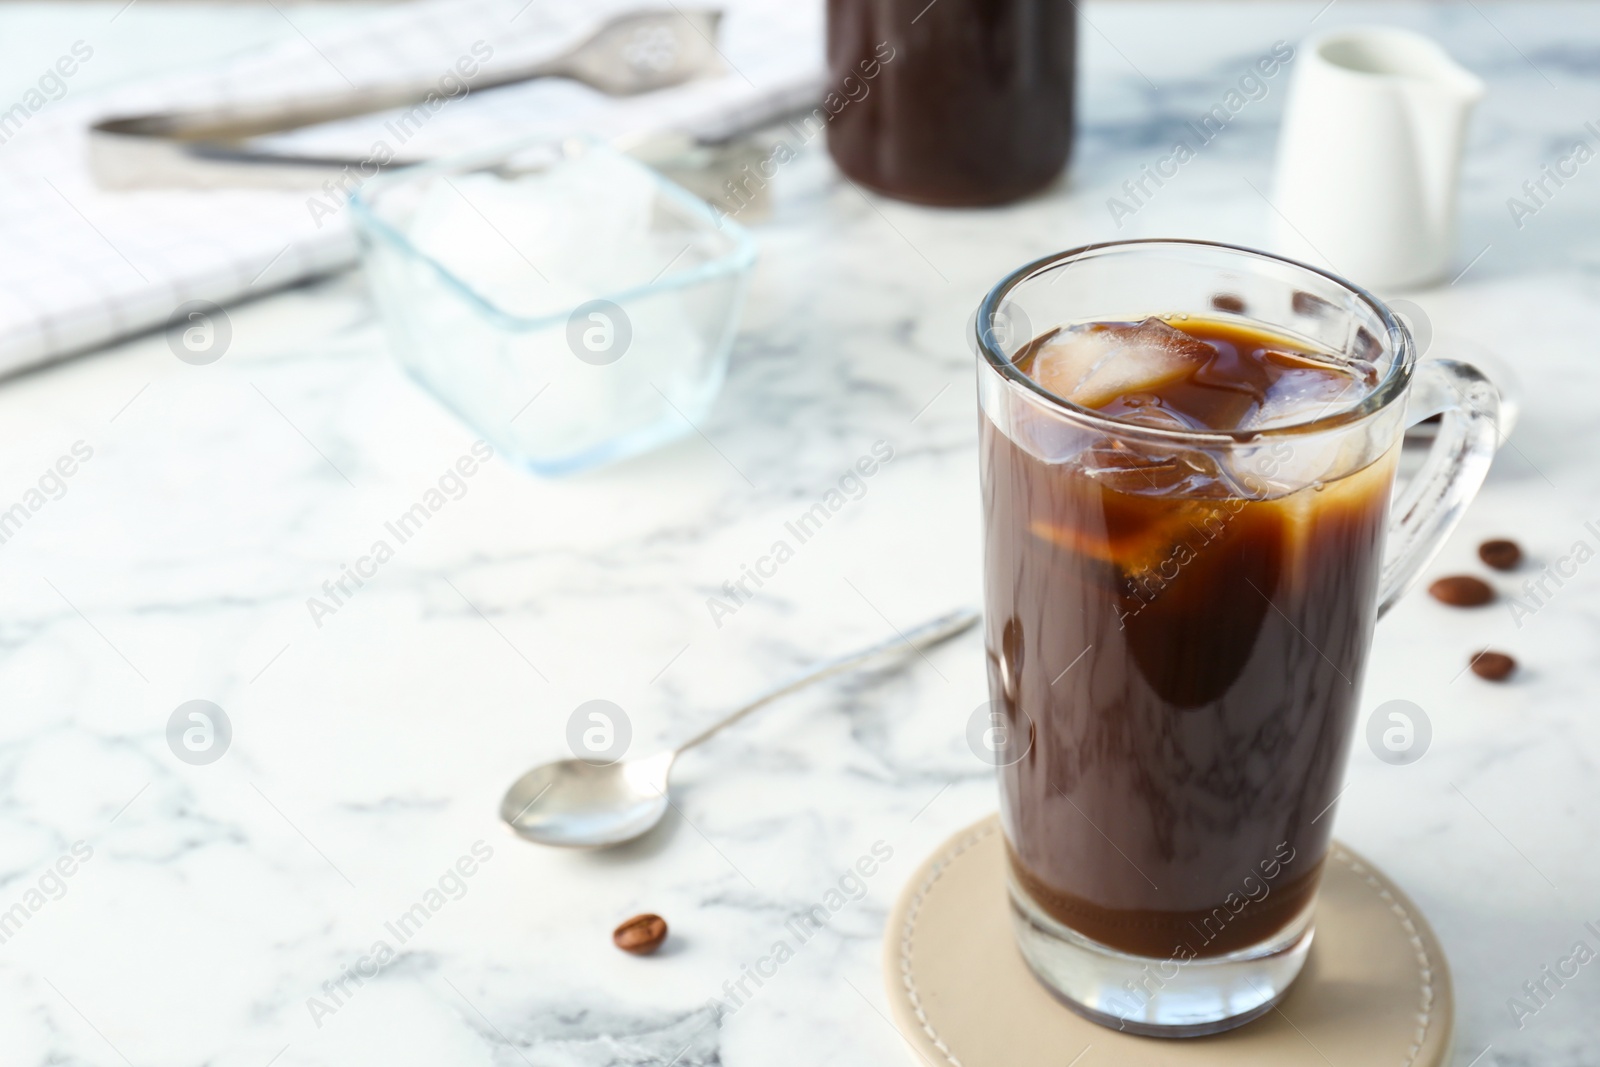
<point x="368" y="754"/>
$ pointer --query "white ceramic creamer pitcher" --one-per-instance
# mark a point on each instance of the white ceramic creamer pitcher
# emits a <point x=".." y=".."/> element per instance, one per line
<point x="1370" y="154"/>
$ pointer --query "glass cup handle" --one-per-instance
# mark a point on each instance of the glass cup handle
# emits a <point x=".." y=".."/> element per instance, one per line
<point x="1431" y="505"/>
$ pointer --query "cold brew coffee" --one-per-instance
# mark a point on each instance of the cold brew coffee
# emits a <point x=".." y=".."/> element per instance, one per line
<point x="1180" y="631"/>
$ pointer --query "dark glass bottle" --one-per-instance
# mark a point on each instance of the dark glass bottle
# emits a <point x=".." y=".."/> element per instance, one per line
<point x="955" y="102"/>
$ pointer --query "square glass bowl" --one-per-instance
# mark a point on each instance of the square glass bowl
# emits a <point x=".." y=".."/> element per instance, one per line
<point x="569" y="303"/>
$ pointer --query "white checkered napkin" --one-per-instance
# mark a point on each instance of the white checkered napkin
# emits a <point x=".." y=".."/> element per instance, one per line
<point x="81" y="266"/>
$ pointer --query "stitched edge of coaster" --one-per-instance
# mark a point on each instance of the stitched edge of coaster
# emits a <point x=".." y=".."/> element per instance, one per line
<point x="1424" y="960"/>
<point x="909" y="928"/>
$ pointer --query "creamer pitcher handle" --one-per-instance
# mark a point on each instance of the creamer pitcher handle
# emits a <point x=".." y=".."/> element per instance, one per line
<point x="1431" y="505"/>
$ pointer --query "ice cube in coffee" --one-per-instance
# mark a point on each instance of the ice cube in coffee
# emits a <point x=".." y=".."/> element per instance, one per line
<point x="1184" y="628"/>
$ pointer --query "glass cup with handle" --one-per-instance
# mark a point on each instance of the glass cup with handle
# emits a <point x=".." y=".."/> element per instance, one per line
<point x="1178" y="620"/>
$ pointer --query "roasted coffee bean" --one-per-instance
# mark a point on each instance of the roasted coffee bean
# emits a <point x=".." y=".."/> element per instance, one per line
<point x="1500" y="554"/>
<point x="1462" y="591"/>
<point x="1228" y="302"/>
<point x="1310" y="304"/>
<point x="1495" y="666"/>
<point x="640" y="935"/>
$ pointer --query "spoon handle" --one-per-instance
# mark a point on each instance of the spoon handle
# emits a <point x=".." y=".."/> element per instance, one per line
<point x="925" y="636"/>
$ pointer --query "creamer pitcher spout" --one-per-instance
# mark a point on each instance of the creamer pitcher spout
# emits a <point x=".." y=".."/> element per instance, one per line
<point x="1440" y="96"/>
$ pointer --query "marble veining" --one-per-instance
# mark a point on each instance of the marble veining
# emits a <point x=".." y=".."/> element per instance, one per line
<point x="369" y="753"/>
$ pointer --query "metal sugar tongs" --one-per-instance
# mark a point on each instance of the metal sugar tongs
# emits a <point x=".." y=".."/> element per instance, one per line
<point x="632" y="53"/>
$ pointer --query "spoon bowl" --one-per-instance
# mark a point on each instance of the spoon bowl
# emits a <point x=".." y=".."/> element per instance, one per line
<point x="575" y="804"/>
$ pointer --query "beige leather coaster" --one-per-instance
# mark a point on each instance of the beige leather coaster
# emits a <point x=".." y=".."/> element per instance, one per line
<point x="1375" y="991"/>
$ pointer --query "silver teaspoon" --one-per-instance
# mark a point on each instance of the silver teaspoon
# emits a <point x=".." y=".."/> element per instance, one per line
<point x="576" y="804"/>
